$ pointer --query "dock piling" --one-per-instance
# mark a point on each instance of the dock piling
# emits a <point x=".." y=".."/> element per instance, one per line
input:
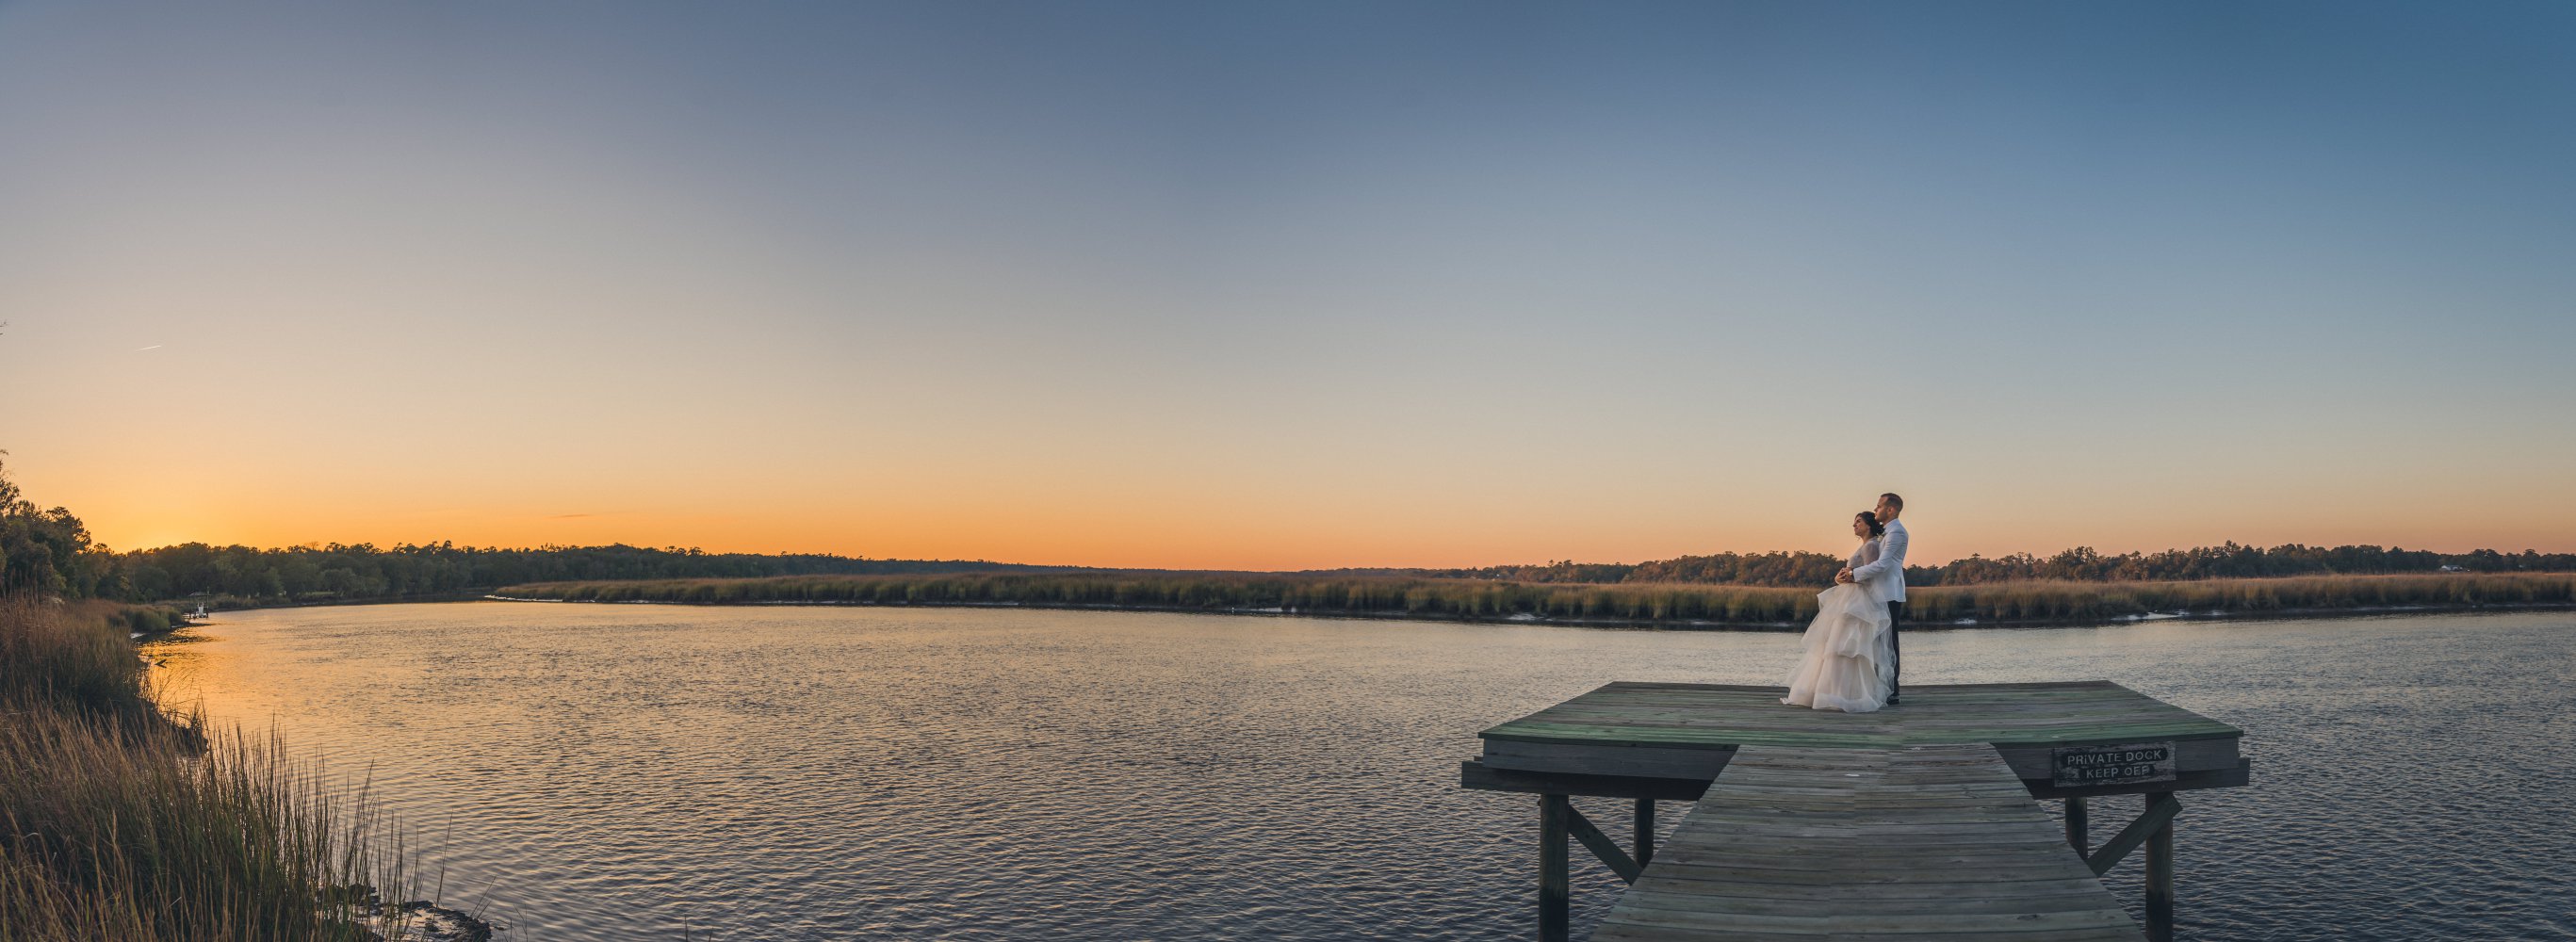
<point x="1645" y="832"/>
<point x="1555" y="910"/>
<point x="2160" y="872"/>
<point x="2078" y="827"/>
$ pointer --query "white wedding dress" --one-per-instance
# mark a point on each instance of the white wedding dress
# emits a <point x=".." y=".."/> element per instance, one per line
<point x="1848" y="665"/>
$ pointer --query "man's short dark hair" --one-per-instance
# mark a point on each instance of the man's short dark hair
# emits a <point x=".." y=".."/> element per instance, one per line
<point x="1891" y="498"/>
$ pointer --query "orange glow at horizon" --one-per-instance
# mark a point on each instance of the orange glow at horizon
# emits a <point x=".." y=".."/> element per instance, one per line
<point x="1146" y="529"/>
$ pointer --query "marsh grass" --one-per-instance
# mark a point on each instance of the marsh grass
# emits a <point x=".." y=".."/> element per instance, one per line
<point x="119" y="823"/>
<point x="1628" y="602"/>
<point x="2083" y="601"/>
<point x="1456" y="598"/>
<point x="74" y="658"/>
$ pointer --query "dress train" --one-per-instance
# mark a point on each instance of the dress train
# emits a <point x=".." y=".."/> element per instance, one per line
<point x="1848" y="665"/>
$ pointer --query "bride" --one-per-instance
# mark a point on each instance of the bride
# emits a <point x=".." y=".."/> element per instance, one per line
<point x="1848" y="665"/>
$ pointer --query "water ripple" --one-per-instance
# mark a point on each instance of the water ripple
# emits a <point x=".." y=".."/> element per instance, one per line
<point x="596" y="773"/>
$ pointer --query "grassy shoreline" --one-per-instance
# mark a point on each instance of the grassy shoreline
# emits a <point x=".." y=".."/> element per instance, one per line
<point x="1678" y="606"/>
<point x="124" y="823"/>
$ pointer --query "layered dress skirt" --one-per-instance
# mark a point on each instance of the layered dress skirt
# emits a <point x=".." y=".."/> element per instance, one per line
<point x="1848" y="664"/>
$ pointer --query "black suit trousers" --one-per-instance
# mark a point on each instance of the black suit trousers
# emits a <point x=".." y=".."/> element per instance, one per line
<point x="1895" y="657"/>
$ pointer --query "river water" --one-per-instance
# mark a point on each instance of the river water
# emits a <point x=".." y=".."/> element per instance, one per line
<point x="599" y="772"/>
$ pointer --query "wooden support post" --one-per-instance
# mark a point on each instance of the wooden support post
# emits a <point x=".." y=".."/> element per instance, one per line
<point x="1645" y="831"/>
<point x="1555" y="912"/>
<point x="2160" y="874"/>
<point x="2078" y="827"/>
<point x="2161" y="807"/>
<point x="1601" y="845"/>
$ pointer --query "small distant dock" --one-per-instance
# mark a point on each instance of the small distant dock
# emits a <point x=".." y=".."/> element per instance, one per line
<point x="1918" y="821"/>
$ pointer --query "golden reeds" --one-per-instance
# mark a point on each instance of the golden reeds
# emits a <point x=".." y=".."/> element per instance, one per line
<point x="1626" y="602"/>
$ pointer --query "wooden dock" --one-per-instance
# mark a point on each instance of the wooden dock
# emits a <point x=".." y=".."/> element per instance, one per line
<point x="1917" y="821"/>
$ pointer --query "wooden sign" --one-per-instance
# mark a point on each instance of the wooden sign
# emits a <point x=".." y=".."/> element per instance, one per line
<point x="2080" y="766"/>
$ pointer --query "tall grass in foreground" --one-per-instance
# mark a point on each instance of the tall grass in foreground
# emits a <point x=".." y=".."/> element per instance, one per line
<point x="118" y="824"/>
<point x="1647" y="603"/>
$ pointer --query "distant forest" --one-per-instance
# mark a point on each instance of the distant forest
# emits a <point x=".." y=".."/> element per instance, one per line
<point x="2081" y="564"/>
<point x="50" y="551"/>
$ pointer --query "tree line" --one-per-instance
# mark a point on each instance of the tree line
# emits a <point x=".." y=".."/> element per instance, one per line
<point x="2081" y="564"/>
<point x="49" y="551"/>
<point x="368" y="571"/>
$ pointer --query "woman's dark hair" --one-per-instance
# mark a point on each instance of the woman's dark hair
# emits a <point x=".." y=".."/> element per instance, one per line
<point x="1875" y="528"/>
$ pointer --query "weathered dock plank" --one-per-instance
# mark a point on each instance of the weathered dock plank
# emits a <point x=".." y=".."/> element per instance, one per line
<point x="1688" y="731"/>
<point x="1875" y="844"/>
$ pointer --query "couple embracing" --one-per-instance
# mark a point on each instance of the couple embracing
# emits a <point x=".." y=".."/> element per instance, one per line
<point x="1851" y="662"/>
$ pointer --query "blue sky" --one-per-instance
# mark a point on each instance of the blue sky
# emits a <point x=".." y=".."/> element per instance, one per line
<point x="1292" y="284"/>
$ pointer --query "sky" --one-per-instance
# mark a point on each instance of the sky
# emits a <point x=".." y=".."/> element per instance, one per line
<point x="1292" y="285"/>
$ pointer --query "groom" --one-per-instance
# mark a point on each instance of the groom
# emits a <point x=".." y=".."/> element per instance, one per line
<point x="1886" y="580"/>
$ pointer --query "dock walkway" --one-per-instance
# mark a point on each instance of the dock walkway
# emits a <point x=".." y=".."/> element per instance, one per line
<point x="1919" y="821"/>
<point x="1867" y="845"/>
